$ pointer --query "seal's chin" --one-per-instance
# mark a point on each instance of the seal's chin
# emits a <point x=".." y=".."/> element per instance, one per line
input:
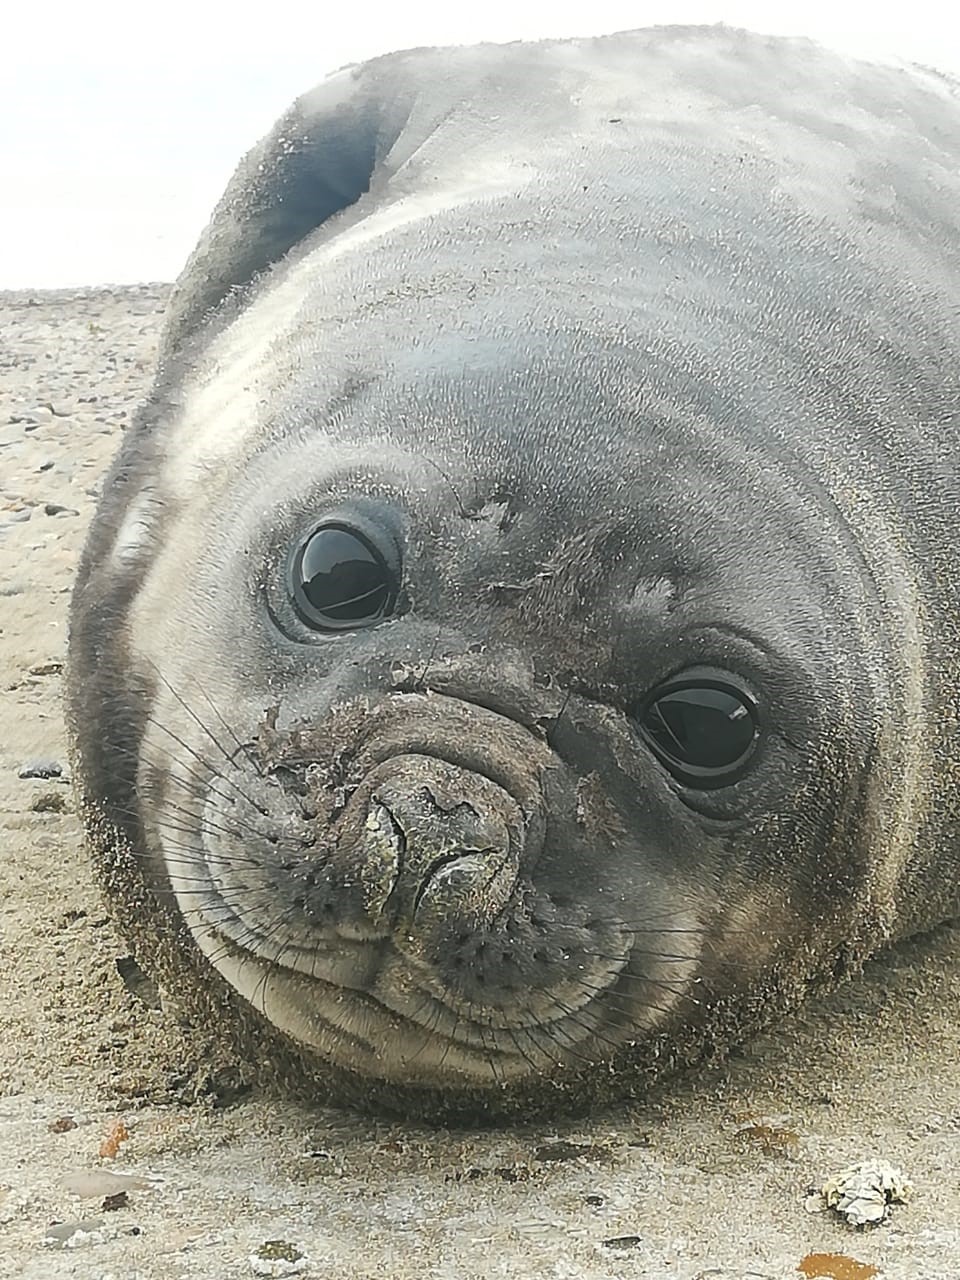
<point x="427" y="1042"/>
<point x="392" y="918"/>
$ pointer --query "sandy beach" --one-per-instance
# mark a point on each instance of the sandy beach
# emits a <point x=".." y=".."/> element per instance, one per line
<point x="710" y="1178"/>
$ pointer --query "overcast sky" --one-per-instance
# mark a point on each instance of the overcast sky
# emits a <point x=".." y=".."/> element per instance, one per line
<point x="120" y="122"/>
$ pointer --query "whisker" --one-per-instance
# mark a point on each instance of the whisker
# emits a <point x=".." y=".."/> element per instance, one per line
<point x="192" y="714"/>
<point x="241" y="746"/>
<point x="200" y="760"/>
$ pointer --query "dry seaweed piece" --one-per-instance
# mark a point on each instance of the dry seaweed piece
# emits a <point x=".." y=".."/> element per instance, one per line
<point x="835" y="1266"/>
<point x="773" y="1140"/>
<point x="110" y="1146"/>
<point x="516" y="1172"/>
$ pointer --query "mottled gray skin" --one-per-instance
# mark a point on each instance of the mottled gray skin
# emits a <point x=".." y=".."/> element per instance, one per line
<point x="646" y="350"/>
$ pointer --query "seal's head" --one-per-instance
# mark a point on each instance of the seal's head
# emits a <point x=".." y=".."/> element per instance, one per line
<point x="479" y="673"/>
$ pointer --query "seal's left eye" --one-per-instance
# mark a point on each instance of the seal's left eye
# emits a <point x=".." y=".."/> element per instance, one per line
<point x="341" y="581"/>
<point x="703" y="727"/>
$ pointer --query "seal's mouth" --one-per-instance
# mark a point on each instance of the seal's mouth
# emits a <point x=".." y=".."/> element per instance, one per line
<point x="374" y="886"/>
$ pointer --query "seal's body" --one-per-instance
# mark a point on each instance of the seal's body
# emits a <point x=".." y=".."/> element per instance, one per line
<point x="520" y="631"/>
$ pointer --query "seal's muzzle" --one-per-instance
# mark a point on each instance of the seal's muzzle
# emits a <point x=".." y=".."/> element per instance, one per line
<point x="437" y="846"/>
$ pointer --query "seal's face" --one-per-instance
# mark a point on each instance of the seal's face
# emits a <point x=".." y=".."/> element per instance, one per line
<point x="483" y="751"/>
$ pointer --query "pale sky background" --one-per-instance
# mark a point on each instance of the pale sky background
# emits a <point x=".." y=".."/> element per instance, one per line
<point x="120" y="122"/>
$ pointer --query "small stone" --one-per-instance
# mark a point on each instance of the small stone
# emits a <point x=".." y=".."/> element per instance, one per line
<point x="49" y="802"/>
<point x="278" y="1258"/>
<point x="57" y="509"/>
<point x="46" y="669"/>
<point x="137" y="982"/>
<point x="72" y="1235"/>
<point x="40" y="769"/>
<point x="623" y="1243"/>
<point x="62" y="1124"/>
<point x="92" y="1184"/>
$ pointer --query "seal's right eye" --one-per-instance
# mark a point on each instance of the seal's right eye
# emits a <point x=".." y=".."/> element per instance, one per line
<point x="339" y="580"/>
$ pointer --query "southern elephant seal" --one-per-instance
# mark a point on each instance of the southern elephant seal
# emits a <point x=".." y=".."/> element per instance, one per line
<point x="517" y="645"/>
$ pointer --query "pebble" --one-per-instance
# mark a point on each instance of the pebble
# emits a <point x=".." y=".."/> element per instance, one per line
<point x="623" y="1243"/>
<point x="278" y="1258"/>
<point x="49" y="802"/>
<point x="62" y="1124"/>
<point x="91" y="1184"/>
<point x="40" y="769"/>
<point x="72" y="1235"/>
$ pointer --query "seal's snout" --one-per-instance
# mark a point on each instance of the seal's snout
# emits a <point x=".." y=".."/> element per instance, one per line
<point x="436" y="845"/>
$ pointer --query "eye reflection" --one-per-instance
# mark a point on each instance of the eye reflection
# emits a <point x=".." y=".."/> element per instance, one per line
<point x="703" y="732"/>
<point x="341" y="581"/>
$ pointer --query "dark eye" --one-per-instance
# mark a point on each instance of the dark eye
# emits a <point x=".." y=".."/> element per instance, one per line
<point x="702" y="727"/>
<point x="341" y="581"/>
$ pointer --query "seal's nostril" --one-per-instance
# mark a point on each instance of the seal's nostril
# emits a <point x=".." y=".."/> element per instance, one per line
<point x="434" y="843"/>
<point x="436" y="868"/>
